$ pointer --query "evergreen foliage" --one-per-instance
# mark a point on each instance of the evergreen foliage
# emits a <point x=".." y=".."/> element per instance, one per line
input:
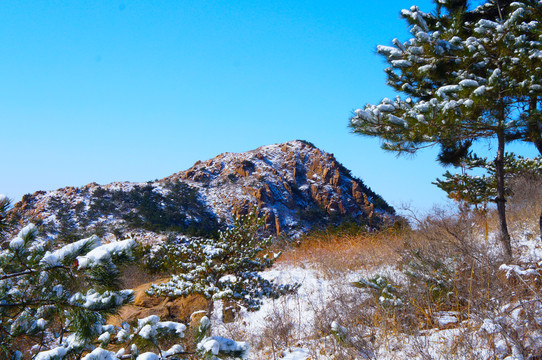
<point x="479" y="190"/>
<point x="172" y="210"/>
<point x="386" y="293"/>
<point x="175" y="207"/>
<point x="5" y="204"/>
<point x="226" y="268"/>
<point x="467" y="75"/>
<point x="54" y="302"/>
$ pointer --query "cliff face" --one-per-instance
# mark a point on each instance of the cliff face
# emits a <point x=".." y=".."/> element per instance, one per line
<point x="295" y="186"/>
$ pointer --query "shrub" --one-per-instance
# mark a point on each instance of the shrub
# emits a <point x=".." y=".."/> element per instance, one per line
<point x="226" y="268"/>
<point x="232" y="177"/>
<point x="386" y="293"/>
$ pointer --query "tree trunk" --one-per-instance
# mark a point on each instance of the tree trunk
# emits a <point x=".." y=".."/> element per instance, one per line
<point x="538" y="144"/>
<point x="535" y="135"/>
<point x="210" y="308"/>
<point x="501" y="199"/>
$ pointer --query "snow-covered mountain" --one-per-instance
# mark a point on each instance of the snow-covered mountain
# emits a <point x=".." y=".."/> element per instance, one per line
<point x="295" y="185"/>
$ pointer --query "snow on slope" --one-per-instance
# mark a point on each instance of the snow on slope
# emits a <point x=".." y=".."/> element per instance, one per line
<point x="283" y="180"/>
<point x="291" y="327"/>
<point x="295" y="185"/>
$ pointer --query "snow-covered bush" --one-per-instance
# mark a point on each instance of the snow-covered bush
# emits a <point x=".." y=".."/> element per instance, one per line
<point x="54" y="303"/>
<point x="226" y="268"/>
<point x="386" y="293"/>
<point x="163" y="257"/>
<point x="218" y="347"/>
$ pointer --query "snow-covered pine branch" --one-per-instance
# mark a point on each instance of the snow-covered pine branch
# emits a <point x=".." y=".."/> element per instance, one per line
<point x="226" y="268"/>
<point x="56" y="306"/>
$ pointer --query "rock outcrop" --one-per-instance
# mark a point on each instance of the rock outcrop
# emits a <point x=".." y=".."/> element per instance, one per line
<point x="288" y="182"/>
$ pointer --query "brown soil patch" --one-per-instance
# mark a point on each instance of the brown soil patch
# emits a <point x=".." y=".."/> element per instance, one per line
<point x="144" y="305"/>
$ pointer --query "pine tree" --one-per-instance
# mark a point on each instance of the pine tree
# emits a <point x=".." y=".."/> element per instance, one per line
<point x="54" y="303"/>
<point x="5" y="204"/>
<point x="226" y="268"/>
<point x="481" y="189"/>
<point x="467" y="75"/>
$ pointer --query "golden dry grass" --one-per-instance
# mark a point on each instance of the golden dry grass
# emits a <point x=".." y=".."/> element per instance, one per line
<point x="449" y="263"/>
<point x="336" y="252"/>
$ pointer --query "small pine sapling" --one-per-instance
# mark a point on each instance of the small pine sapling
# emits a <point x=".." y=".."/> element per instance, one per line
<point x="386" y="293"/>
<point x="226" y="268"/>
<point x="481" y="189"/>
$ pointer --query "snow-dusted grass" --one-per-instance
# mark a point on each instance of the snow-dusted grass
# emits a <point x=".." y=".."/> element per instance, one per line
<point x="437" y="292"/>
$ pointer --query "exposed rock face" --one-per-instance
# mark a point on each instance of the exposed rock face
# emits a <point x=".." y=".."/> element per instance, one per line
<point x="295" y="186"/>
<point x="181" y="309"/>
<point x="287" y="182"/>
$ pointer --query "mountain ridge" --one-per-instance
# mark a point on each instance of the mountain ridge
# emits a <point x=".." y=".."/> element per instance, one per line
<point x="295" y="185"/>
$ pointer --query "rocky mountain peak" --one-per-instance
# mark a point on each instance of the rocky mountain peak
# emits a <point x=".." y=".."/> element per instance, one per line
<point x="295" y="185"/>
<point x="291" y="183"/>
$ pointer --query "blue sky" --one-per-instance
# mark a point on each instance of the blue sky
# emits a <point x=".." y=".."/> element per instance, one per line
<point x="137" y="90"/>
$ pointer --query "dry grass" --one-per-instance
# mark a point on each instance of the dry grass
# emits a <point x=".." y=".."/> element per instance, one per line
<point x="134" y="275"/>
<point x="450" y="265"/>
<point x="335" y="252"/>
<point x="525" y="205"/>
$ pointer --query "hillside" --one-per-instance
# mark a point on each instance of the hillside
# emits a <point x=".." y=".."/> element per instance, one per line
<point x="296" y="186"/>
<point x="437" y="291"/>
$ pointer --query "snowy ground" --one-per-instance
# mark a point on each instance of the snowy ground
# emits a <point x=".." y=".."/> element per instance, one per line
<point x="287" y="328"/>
